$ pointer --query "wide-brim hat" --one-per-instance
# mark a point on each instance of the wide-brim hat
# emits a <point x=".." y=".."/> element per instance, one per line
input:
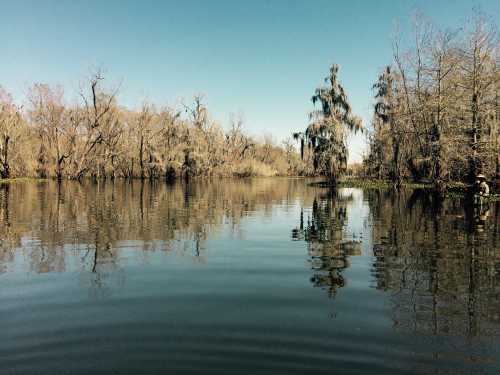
<point x="481" y="177"/>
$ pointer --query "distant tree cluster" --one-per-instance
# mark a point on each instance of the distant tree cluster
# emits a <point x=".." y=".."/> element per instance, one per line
<point x="436" y="114"/>
<point x="96" y="137"/>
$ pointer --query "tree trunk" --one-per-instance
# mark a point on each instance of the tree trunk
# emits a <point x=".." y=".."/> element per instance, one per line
<point x="436" y="147"/>
<point x="396" y="177"/>
<point x="5" y="173"/>
<point x="141" y="157"/>
<point x="473" y="167"/>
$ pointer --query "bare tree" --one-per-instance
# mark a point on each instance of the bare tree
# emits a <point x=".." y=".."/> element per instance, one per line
<point x="98" y="123"/>
<point x="53" y="125"/>
<point x="11" y="122"/>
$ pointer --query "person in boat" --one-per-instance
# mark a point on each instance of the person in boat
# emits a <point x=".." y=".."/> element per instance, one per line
<point x="482" y="188"/>
<point x="481" y="191"/>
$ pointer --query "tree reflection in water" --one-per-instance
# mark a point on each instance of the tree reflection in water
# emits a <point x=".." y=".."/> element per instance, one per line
<point x="91" y="225"/>
<point x="441" y="268"/>
<point x="8" y="238"/>
<point x="436" y="262"/>
<point x="439" y="262"/>
<point x="328" y="245"/>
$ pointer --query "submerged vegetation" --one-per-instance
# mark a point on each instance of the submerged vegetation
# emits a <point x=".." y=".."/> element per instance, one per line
<point x="437" y="107"/>
<point x="96" y="137"/>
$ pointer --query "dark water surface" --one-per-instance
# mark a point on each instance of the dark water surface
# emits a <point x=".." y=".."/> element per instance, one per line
<point x="266" y="276"/>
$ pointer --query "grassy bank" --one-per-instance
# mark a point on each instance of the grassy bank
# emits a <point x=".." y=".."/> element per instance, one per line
<point x="379" y="184"/>
<point x="453" y="189"/>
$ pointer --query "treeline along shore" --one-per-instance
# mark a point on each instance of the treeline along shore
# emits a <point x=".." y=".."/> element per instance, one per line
<point x="437" y="105"/>
<point x="96" y="137"/>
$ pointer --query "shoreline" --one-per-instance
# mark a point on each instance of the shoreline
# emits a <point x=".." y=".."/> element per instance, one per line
<point x="455" y="190"/>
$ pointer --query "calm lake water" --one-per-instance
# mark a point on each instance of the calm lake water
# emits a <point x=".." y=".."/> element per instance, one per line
<point x="265" y="276"/>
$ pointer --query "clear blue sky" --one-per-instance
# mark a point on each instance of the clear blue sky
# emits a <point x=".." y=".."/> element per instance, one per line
<point x="259" y="58"/>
